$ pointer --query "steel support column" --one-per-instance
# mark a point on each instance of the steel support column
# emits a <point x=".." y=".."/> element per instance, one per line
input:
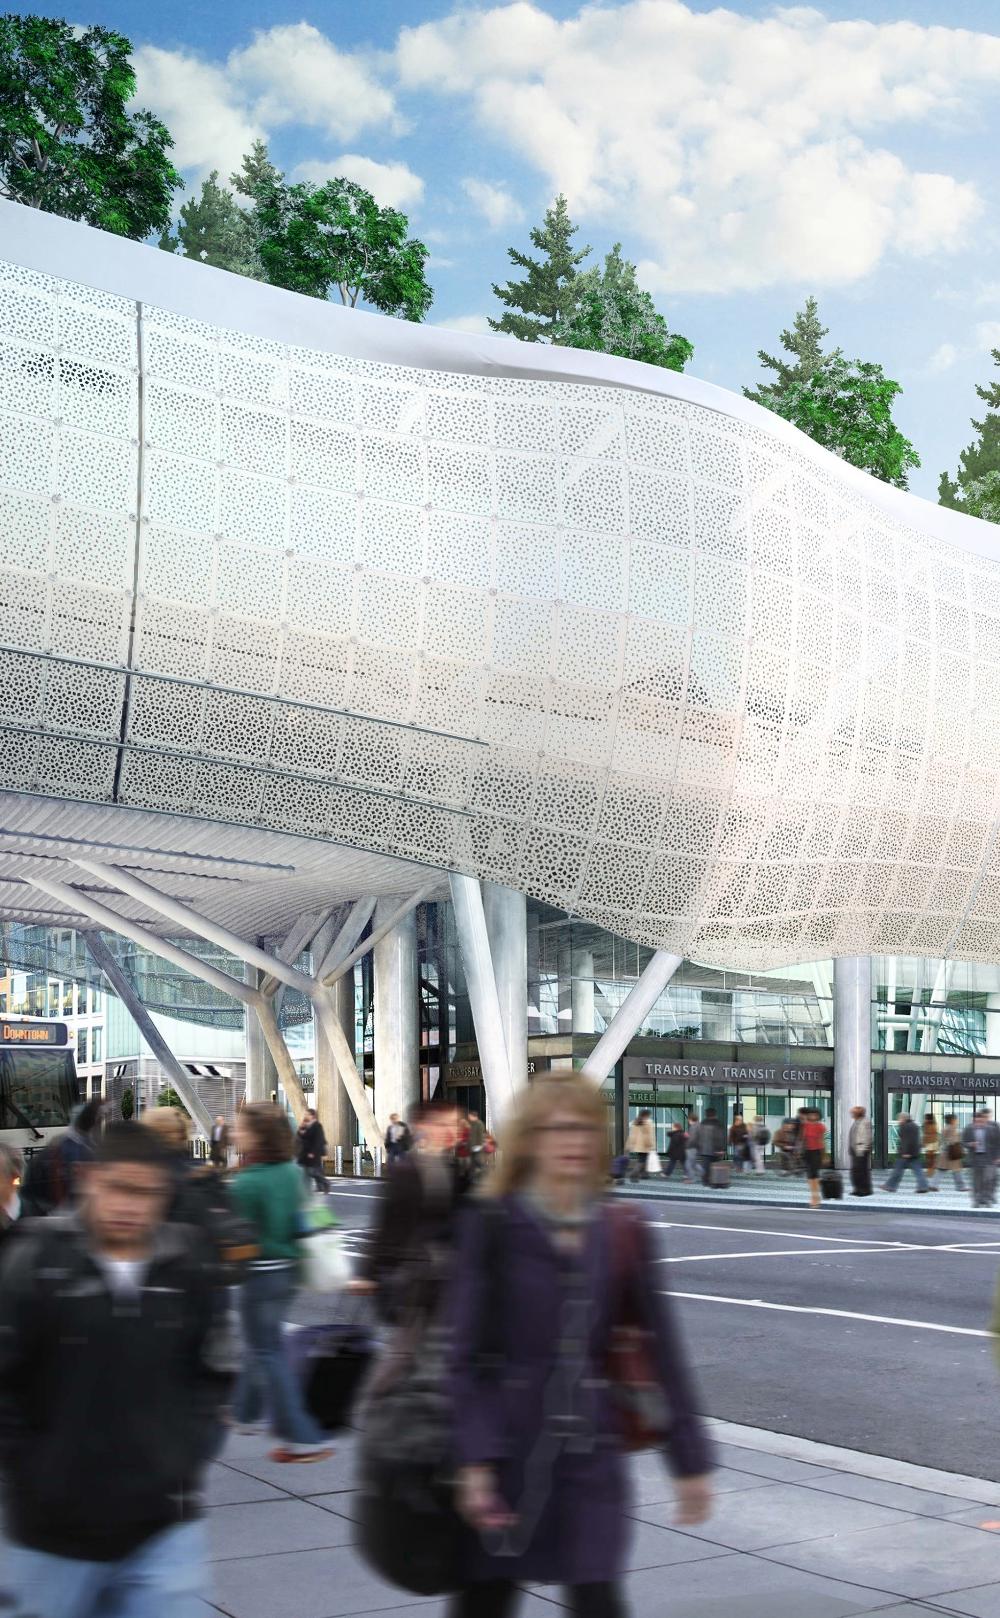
<point x="124" y="988"/>
<point x="397" y="1013"/>
<point x="631" y="1014"/>
<point x="852" y="1046"/>
<point x="506" y="913"/>
<point x="474" y="943"/>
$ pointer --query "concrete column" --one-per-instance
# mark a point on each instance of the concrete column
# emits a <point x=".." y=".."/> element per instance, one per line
<point x="583" y="992"/>
<point x="262" y="1075"/>
<point x="852" y="1046"/>
<point x="397" y="1014"/>
<point x="506" y="913"/>
<point x="332" y="1101"/>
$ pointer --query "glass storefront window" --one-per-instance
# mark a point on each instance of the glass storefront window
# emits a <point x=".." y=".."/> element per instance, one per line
<point x="96" y="1042"/>
<point x="81" y="1045"/>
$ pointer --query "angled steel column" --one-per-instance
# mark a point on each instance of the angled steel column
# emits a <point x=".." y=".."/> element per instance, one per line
<point x="474" y="943"/>
<point x="184" y="916"/>
<point x="506" y="914"/>
<point x="385" y="926"/>
<point x="852" y="1047"/>
<point x="345" y="939"/>
<point x="262" y="1074"/>
<point x="125" y="990"/>
<point x="629" y="1017"/>
<point x="397" y="1013"/>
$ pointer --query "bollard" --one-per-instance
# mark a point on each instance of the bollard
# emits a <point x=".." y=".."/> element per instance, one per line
<point x="338" y="1160"/>
<point x="377" y="1162"/>
<point x="357" y="1161"/>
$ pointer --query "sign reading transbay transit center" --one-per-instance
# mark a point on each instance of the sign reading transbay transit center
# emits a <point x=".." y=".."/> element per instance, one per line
<point x="975" y="1084"/>
<point x="764" y="1075"/>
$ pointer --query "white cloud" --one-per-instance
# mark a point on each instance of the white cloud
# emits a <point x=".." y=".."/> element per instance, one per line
<point x="988" y="334"/>
<point x="747" y="150"/>
<point x="942" y="359"/>
<point x="295" y="75"/>
<point x="494" y="202"/>
<point x="391" y="184"/>
<point x="477" y="325"/>
<point x="211" y="125"/>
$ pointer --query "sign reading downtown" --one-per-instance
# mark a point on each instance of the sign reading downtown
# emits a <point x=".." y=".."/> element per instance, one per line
<point x="13" y="1032"/>
<point x="759" y="1075"/>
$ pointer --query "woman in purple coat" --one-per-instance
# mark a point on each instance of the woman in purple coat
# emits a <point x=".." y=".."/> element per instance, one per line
<point x="537" y="1291"/>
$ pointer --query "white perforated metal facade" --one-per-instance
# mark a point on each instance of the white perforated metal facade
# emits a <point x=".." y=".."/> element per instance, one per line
<point x="651" y="659"/>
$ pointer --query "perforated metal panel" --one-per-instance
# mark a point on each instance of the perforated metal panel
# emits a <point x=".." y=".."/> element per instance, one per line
<point x="651" y="662"/>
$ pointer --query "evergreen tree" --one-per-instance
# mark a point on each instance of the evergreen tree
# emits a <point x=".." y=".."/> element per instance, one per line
<point x="538" y="306"/>
<point x="804" y="344"/>
<point x="980" y="461"/>
<point x="982" y="497"/>
<point x="614" y="316"/>
<point x="257" y="175"/>
<point x="845" y="405"/>
<point x="214" y="230"/>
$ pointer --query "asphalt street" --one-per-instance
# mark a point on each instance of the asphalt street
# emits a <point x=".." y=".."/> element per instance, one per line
<point x="864" y="1330"/>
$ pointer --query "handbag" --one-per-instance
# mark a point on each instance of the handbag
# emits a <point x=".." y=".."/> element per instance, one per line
<point x="323" y="1264"/>
<point x="955" y="1152"/>
<point x="641" y="1409"/>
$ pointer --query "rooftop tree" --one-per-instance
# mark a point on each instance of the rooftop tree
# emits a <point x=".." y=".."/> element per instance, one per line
<point x="970" y="489"/>
<point x="69" y="141"/>
<point x="215" y="230"/>
<point x="538" y="307"/>
<point x="614" y="316"/>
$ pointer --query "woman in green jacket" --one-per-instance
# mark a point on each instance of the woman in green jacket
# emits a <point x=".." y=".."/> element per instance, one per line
<point x="268" y="1192"/>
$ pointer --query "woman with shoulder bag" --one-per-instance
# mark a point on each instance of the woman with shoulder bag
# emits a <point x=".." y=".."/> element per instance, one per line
<point x="952" y="1152"/>
<point x="270" y="1194"/>
<point x="563" y="1355"/>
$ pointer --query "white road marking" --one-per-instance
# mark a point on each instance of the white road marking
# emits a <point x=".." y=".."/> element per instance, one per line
<point x="799" y="1236"/>
<point x="839" y="1314"/>
<point x="359" y="1196"/>
<point x="782" y="1252"/>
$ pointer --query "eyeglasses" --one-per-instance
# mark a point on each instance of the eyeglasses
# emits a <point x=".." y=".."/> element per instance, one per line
<point x="570" y="1127"/>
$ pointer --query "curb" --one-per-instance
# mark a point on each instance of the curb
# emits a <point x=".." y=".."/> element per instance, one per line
<point x="855" y="1462"/>
<point x="868" y="1205"/>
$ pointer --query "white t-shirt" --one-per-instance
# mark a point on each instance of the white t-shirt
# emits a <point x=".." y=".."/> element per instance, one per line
<point x="123" y="1275"/>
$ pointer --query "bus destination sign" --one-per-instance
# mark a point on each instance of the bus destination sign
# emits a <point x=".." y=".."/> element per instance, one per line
<point x="14" y="1032"/>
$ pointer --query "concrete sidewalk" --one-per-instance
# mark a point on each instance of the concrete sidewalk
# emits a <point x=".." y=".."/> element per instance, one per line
<point x="801" y="1530"/>
<point x="773" y="1190"/>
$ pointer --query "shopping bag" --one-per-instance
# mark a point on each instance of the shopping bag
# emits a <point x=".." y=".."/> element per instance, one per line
<point x="653" y="1164"/>
<point x="323" y="1264"/>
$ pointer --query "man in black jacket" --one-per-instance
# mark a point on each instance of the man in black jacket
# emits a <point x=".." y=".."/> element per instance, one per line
<point x="981" y="1140"/>
<point x="909" y="1146"/>
<point x="110" y="1394"/>
<point x="312" y="1149"/>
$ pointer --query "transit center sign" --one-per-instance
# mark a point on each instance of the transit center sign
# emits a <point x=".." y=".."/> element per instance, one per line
<point x="759" y="1075"/>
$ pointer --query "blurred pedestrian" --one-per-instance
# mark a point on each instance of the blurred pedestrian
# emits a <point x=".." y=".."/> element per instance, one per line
<point x="691" y="1163"/>
<point x="199" y="1196"/>
<point x="676" y="1151"/>
<point x="952" y="1152"/>
<point x="859" y="1151"/>
<point x="410" y="1253"/>
<point x="218" y="1146"/>
<point x="110" y="1397"/>
<point x="268" y="1192"/>
<point x="11" y="1168"/>
<point x="931" y="1143"/>
<point x="813" y="1146"/>
<point x="760" y="1137"/>
<point x="477" y="1140"/>
<point x="641" y="1141"/>
<point x="981" y="1140"/>
<point x="784" y="1144"/>
<point x="542" y="1479"/>
<point x="739" y="1142"/>
<point x="711" y="1144"/>
<point x="908" y="1149"/>
<point x="50" y="1182"/>
<point x="398" y="1138"/>
<point x="311" y="1150"/>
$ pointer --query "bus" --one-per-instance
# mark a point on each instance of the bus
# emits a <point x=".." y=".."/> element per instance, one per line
<point x="38" y="1083"/>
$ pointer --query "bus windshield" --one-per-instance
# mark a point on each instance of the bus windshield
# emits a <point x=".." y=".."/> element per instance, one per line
<point x="37" y="1089"/>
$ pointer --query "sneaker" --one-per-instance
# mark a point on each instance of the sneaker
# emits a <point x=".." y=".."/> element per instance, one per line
<point x="300" y="1452"/>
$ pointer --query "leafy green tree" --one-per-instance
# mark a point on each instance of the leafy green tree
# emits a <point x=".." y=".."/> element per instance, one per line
<point x="315" y="239"/>
<point x="805" y="345"/>
<point x="538" y="307"/>
<point x="68" y="142"/>
<point x="214" y="229"/>
<point x="845" y="405"/>
<point x="980" y="461"/>
<point x="168" y="1097"/>
<point x="982" y="497"/>
<point x="614" y="316"/>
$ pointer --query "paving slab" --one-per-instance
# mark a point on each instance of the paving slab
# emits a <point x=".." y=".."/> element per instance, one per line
<point x="652" y="1484"/>
<point x="305" y="1584"/>
<point x="226" y="1487"/>
<point x="906" y="1559"/>
<point x="779" y="1468"/>
<point x="298" y="1477"/>
<point x="783" y="1514"/>
<point x="915" y="1502"/>
<point x="261" y="1529"/>
<point x="981" y="1602"/>
<point x="744" y="1587"/>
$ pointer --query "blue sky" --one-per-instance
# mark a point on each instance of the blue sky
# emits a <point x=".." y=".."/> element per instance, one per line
<point x="744" y="156"/>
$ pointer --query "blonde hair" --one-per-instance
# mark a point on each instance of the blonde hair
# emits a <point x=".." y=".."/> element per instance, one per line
<point x="517" y="1139"/>
<point x="170" y="1124"/>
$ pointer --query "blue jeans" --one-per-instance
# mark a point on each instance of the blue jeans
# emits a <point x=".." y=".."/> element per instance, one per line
<point x="899" y="1169"/>
<point x="164" y="1578"/>
<point x="266" y="1380"/>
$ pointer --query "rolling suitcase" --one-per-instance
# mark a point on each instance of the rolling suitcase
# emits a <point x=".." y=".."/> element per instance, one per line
<point x="331" y="1362"/>
<point x="720" y="1176"/>
<point x="831" y="1185"/>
